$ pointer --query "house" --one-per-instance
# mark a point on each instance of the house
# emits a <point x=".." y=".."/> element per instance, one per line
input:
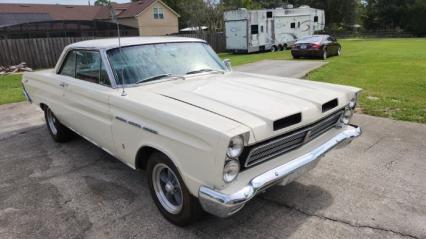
<point x="145" y="17"/>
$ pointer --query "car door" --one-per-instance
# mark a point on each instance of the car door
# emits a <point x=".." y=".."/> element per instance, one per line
<point x="332" y="46"/>
<point x="87" y="99"/>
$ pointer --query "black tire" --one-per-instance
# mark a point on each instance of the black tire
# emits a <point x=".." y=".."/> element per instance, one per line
<point x="274" y="49"/>
<point x="190" y="209"/>
<point x="339" y="51"/>
<point x="324" y="55"/>
<point x="281" y="47"/>
<point x="285" y="47"/>
<point x="58" y="131"/>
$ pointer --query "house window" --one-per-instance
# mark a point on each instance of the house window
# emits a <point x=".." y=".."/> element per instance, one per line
<point x="268" y="14"/>
<point x="158" y="13"/>
<point x="293" y="25"/>
<point x="316" y="19"/>
<point x="254" y="29"/>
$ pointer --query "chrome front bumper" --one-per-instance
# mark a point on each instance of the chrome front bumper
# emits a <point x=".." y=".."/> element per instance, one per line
<point x="224" y="205"/>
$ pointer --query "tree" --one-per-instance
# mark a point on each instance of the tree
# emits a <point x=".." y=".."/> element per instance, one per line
<point x="416" y="15"/>
<point x="102" y="2"/>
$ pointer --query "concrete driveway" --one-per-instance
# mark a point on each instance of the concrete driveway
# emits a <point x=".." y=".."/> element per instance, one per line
<point x="375" y="188"/>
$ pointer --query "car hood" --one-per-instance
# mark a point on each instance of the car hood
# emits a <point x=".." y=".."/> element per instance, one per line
<point x="256" y="101"/>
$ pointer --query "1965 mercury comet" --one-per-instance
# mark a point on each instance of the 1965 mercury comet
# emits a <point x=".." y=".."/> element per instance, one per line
<point x="210" y="139"/>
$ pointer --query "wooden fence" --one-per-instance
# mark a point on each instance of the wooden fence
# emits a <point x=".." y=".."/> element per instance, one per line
<point x="216" y="40"/>
<point x="44" y="52"/>
<point x="36" y="52"/>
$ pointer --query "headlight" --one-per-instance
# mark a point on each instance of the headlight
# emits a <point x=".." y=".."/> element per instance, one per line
<point x="353" y="103"/>
<point x="236" y="146"/>
<point x="231" y="170"/>
<point x="346" y="117"/>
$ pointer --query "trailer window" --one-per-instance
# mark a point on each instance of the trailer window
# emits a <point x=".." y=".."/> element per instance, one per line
<point x="293" y="25"/>
<point x="254" y="29"/>
<point x="316" y="19"/>
<point x="268" y="14"/>
<point x="261" y="28"/>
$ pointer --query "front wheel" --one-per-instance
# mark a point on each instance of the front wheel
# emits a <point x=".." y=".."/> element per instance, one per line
<point x="169" y="192"/>
<point x="58" y="131"/>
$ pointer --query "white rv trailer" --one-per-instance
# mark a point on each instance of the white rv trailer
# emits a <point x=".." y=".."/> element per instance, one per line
<point x="270" y="29"/>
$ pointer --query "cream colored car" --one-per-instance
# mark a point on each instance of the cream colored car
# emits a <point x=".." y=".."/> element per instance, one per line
<point x="210" y="139"/>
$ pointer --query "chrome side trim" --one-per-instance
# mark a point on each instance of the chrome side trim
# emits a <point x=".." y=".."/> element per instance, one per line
<point x="224" y="205"/>
<point x="150" y="130"/>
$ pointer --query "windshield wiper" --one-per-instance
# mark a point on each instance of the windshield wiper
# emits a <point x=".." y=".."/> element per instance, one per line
<point x="202" y="70"/>
<point x="158" y="77"/>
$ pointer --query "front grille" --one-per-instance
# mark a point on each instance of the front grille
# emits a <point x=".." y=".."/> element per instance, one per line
<point x="282" y="144"/>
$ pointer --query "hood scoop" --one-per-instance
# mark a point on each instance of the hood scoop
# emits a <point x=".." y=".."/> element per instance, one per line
<point x="330" y="105"/>
<point x="287" y="121"/>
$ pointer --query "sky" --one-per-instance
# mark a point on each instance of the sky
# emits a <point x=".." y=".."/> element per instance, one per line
<point x="65" y="2"/>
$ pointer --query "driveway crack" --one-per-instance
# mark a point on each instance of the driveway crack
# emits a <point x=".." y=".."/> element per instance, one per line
<point x="345" y="222"/>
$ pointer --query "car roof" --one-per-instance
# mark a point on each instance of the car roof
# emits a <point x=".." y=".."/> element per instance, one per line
<point x="109" y="43"/>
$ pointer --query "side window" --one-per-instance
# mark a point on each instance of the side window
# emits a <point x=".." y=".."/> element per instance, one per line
<point x="89" y="67"/>
<point x="254" y="29"/>
<point x="293" y="25"/>
<point x="68" y="66"/>
<point x="316" y="19"/>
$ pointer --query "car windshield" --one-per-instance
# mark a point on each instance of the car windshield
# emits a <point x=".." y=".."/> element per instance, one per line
<point x="136" y="64"/>
<point x="311" y="39"/>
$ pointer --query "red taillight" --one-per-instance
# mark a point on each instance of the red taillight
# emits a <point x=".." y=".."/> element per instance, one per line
<point x="315" y="46"/>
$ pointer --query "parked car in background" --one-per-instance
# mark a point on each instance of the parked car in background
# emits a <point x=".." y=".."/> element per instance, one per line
<point x="209" y="138"/>
<point x="320" y="46"/>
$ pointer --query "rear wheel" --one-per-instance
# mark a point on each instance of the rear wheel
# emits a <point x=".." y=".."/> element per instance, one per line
<point x="169" y="192"/>
<point x="58" y="131"/>
<point x="324" y="54"/>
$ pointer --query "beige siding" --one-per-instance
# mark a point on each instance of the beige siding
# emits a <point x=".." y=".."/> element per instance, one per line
<point x="148" y="26"/>
<point x="129" y="21"/>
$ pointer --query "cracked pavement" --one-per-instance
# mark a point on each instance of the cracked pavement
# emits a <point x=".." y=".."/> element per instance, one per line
<point x="374" y="188"/>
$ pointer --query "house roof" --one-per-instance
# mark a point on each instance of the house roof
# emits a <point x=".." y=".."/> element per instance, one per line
<point x="12" y="14"/>
<point x="54" y="11"/>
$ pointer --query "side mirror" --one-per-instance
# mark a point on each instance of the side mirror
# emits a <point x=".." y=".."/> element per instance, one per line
<point x="227" y="63"/>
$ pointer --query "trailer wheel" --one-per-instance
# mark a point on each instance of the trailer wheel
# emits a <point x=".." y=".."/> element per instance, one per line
<point x="285" y="47"/>
<point x="281" y="47"/>
<point x="273" y="48"/>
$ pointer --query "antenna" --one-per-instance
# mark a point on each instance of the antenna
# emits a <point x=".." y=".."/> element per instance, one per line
<point x="115" y="20"/>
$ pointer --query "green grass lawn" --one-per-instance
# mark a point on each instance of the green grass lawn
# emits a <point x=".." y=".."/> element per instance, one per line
<point x="11" y="89"/>
<point x="392" y="73"/>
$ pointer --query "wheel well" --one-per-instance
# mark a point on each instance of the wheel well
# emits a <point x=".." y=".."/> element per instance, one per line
<point x="143" y="155"/>
<point x="43" y="106"/>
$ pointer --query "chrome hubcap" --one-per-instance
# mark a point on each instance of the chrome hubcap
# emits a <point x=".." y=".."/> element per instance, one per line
<point x="167" y="188"/>
<point x="51" y="121"/>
